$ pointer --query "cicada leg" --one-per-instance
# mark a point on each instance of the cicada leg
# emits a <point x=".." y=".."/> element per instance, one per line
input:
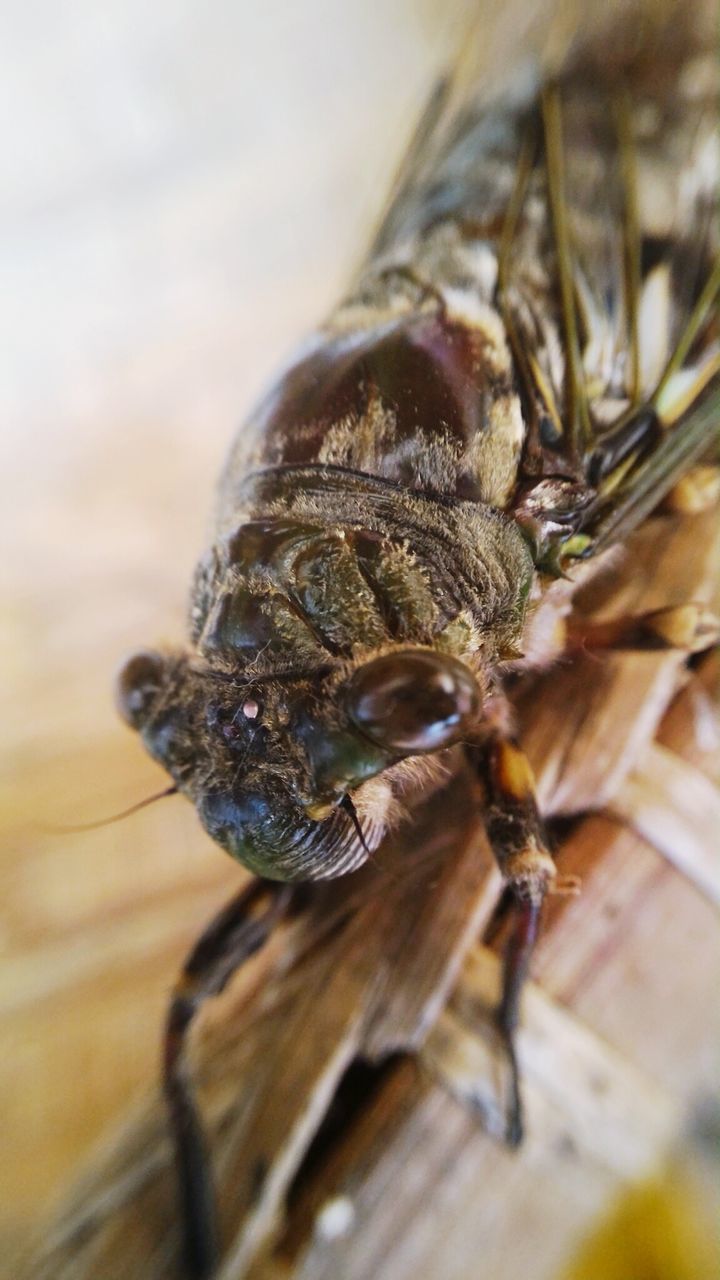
<point x="516" y="964"/>
<point x="521" y="847"/>
<point x="240" y="929"/>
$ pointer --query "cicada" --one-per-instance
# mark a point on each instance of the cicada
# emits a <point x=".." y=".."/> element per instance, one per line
<point x="525" y="365"/>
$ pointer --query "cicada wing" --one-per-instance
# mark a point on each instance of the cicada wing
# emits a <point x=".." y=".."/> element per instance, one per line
<point x="653" y="407"/>
<point x="618" y="343"/>
<point x="461" y="157"/>
<point x="586" y="176"/>
<point x="648" y="481"/>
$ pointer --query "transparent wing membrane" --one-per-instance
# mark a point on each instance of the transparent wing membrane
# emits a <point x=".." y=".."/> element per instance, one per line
<point x="590" y="173"/>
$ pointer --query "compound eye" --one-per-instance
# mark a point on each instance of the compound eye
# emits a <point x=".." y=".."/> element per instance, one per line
<point x="413" y="701"/>
<point x="139" y="682"/>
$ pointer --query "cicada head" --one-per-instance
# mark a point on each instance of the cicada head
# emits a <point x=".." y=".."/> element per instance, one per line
<point x="296" y="775"/>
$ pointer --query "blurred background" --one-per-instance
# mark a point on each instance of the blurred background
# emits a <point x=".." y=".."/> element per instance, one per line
<point x="185" y="189"/>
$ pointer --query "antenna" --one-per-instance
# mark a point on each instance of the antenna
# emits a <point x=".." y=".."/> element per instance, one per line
<point x="61" y="830"/>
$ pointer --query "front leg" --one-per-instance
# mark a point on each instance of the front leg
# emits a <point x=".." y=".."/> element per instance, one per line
<point x="240" y="929"/>
<point x="521" y="847"/>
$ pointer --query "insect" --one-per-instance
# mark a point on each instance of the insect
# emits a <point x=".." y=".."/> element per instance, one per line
<point x="526" y="364"/>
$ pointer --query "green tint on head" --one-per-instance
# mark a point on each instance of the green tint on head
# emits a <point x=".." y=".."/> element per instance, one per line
<point x="271" y="763"/>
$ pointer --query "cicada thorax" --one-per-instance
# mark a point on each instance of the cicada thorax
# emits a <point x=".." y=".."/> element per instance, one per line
<point x="411" y="380"/>
<point x="341" y="562"/>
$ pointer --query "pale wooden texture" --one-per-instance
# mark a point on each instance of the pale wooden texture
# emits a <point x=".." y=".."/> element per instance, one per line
<point x="619" y="1041"/>
<point x="185" y="191"/>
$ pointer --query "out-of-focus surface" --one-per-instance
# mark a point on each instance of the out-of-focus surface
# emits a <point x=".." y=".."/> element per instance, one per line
<point x="665" y="1229"/>
<point x="184" y="191"/>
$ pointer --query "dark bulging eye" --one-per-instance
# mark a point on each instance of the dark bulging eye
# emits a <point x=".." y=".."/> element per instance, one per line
<point x="139" y="682"/>
<point x="413" y="701"/>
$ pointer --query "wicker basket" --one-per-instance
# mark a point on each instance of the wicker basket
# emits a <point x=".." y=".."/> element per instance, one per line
<point x="350" y="1078"/>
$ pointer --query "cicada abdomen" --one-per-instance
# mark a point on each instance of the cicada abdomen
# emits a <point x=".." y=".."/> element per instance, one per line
<point x="524" y="366"/>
